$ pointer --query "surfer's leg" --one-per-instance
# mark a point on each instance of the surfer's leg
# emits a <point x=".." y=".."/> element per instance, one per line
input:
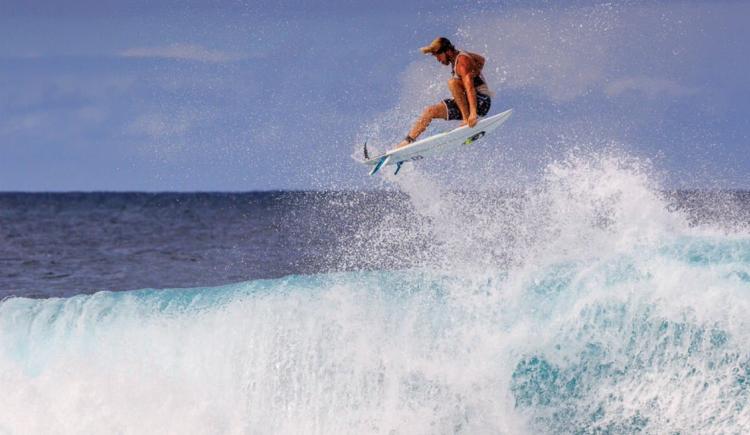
<point x="430" y="112"/>
<point x="459" y="95"/>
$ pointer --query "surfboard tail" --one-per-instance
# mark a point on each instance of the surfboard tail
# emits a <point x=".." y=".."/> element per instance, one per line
<point x="433" y="145"/>
<point x="383" y="160"/>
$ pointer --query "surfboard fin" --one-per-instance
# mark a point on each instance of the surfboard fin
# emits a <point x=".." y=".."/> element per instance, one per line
<point x="380" y="164"/>
<point x="367" y="156"/>
<point x="398" y="167"/>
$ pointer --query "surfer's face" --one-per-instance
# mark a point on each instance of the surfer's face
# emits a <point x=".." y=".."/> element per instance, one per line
<point x="442" y="58"/>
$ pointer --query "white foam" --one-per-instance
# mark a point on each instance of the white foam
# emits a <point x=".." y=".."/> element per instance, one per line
<point x="581" y="303"/>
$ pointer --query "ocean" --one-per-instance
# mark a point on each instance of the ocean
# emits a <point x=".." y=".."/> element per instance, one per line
<point x="591" y="301"/>
<point x="62" y="244"/>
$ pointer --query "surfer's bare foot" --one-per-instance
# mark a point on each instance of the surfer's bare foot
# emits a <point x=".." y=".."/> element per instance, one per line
<point x="407" y="141"/>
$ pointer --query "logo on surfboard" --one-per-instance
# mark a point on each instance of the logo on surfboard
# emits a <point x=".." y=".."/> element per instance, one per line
<point x="474" y="138"/>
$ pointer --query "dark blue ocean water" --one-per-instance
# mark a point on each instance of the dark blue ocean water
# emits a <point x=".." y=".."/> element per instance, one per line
<point x="591" y="302"/>
<point x="58" y="244"/>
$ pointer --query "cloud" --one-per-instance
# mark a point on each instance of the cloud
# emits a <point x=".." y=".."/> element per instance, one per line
<point x="652" y="87"/>
<point x="183" y="52"/>
<point x="156" y="125"/>
<point x="23" y="123"/>
<point x="91" y="114"/>
<point x="171" y="133"/>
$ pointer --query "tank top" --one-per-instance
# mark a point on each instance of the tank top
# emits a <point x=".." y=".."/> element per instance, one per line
<point x="480" y="84"/>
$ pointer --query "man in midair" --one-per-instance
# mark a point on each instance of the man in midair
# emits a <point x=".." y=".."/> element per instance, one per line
<point x="471" y="95"/>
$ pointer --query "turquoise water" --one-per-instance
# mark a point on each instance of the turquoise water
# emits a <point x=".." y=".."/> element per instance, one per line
<point x="588" y="308"/>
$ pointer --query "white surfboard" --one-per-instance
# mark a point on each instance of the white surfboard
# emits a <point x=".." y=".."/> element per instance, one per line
<point x="437" y="144"/>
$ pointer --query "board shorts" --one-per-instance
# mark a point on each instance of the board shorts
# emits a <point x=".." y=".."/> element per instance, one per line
<point x="454" y="113"/>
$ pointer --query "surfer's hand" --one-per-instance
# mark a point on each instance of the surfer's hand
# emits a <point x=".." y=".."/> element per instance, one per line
<point x="472" y="121"/>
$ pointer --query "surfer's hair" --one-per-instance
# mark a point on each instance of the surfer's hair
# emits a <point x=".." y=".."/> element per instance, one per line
<point x="438" y="45"/>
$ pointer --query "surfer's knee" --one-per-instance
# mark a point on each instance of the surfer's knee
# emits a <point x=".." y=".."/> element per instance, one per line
<point x="432" y="112"/>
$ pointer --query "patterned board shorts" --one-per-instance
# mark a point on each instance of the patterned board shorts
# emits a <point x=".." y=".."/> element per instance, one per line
<point x="454" y="113"/>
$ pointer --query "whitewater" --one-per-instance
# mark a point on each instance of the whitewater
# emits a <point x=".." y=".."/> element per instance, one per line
<point x="583" y="303"/>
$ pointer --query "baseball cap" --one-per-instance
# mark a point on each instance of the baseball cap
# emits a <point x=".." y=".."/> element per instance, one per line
<point x="437" y="46"/>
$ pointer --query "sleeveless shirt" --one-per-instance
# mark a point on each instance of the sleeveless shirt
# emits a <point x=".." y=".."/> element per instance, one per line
<point x="480" y="84"/>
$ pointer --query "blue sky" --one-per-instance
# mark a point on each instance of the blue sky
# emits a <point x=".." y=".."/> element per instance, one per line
<point x="246" y="95"/>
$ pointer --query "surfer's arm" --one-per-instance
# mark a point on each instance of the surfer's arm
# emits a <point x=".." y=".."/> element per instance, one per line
<point x="466" y="72"/>
<point x="471" y="95"/>
<point x="478" y="60"/>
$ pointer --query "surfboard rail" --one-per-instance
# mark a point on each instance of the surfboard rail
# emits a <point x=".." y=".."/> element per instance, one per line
<point x="435" y="144"/>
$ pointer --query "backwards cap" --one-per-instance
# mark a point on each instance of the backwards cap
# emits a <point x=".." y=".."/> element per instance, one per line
<point x="439" y="45"/>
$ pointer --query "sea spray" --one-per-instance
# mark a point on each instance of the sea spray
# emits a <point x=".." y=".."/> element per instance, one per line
<point x="584" y="303"/>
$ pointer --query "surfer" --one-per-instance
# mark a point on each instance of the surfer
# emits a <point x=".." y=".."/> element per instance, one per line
<point x="471" y="95"/>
